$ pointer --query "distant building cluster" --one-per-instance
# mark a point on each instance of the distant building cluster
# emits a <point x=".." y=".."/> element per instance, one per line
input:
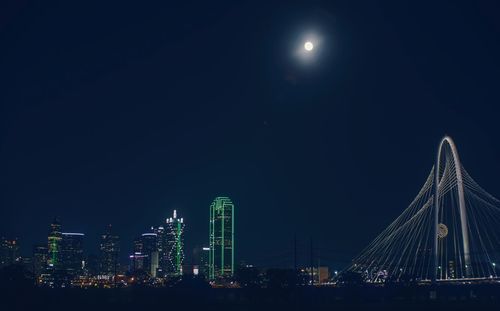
<point x="158" y="255"/>
<point x="160" y="252"/>
<point x="158" y="258"/>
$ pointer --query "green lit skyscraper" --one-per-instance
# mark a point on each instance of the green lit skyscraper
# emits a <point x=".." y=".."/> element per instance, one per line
<point x="54" y="244"/>
<point x="175" y="245"/>
<point x="221" y="255"/>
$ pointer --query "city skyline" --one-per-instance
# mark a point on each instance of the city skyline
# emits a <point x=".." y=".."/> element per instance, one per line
<point x="318" y="119"/>
<point x="246" y="155"/>
<point x="158" y="253"/>
<point x="94" y="248"/>
<point x="126" y="120"/>
<point x="405" y="251"/>
<point x="171" y="227"/>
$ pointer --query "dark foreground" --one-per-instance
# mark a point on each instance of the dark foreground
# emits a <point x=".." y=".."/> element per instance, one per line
<point x="447" y="297"/>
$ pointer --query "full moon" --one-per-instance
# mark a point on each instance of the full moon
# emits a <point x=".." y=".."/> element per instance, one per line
<point x="308" y="46"/>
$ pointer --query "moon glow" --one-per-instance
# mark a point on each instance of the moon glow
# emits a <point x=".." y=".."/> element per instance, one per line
<point x="308" y="46"/>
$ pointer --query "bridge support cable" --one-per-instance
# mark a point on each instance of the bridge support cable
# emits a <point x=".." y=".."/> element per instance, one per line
<point x="450" y="231"/>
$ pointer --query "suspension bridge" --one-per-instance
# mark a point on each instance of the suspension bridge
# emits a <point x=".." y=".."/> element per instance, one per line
<point x="449" y="232"/>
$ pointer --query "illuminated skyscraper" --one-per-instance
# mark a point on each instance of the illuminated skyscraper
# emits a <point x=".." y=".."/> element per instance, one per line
<point x="109" y="251"/>
<point x="54" y="244"/>
<point x="149" y="248"/>
<point x="175" y="244"/>
<point x="161" y="241"/>
<point x="146" y="248"/>
<point x="71" y="253"/>
<point x="221" y="254"/>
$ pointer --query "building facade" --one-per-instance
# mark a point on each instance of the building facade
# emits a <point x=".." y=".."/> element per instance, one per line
<point x="136" y="262"/>
<point x="161" y="247"/>
<point x="54" y="244"/>
<point x="71" y="254"/>
<point x="221" y="237"/>
<point x="150" y="249"/>
<point x="40" y="258"/>
<point x="109" y="249"/>
<point x="175" y="244"/>
<point x="200" y="260"/>
<point x="146" y="248"/>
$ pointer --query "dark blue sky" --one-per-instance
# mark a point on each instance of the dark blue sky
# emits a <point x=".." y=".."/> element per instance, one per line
<point x="119" y="113"/>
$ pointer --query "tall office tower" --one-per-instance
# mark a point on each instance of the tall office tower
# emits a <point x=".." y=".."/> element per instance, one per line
<point x="175" y="244"/>
<point x="147" y="247"/>
<point x="9" y="252"/>
<point x="109" y="248"/>
<point x="40" y="257"/>
<point x="54" y="245"/>
<point x="71" y="254"/>
<point x="221" y="255"/>
<point x="161" y="241"/>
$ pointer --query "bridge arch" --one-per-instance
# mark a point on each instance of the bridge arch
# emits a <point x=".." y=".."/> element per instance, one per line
<point x="447" y="140"/>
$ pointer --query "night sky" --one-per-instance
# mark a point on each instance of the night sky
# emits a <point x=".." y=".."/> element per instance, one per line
<point x="119" y="113"/>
